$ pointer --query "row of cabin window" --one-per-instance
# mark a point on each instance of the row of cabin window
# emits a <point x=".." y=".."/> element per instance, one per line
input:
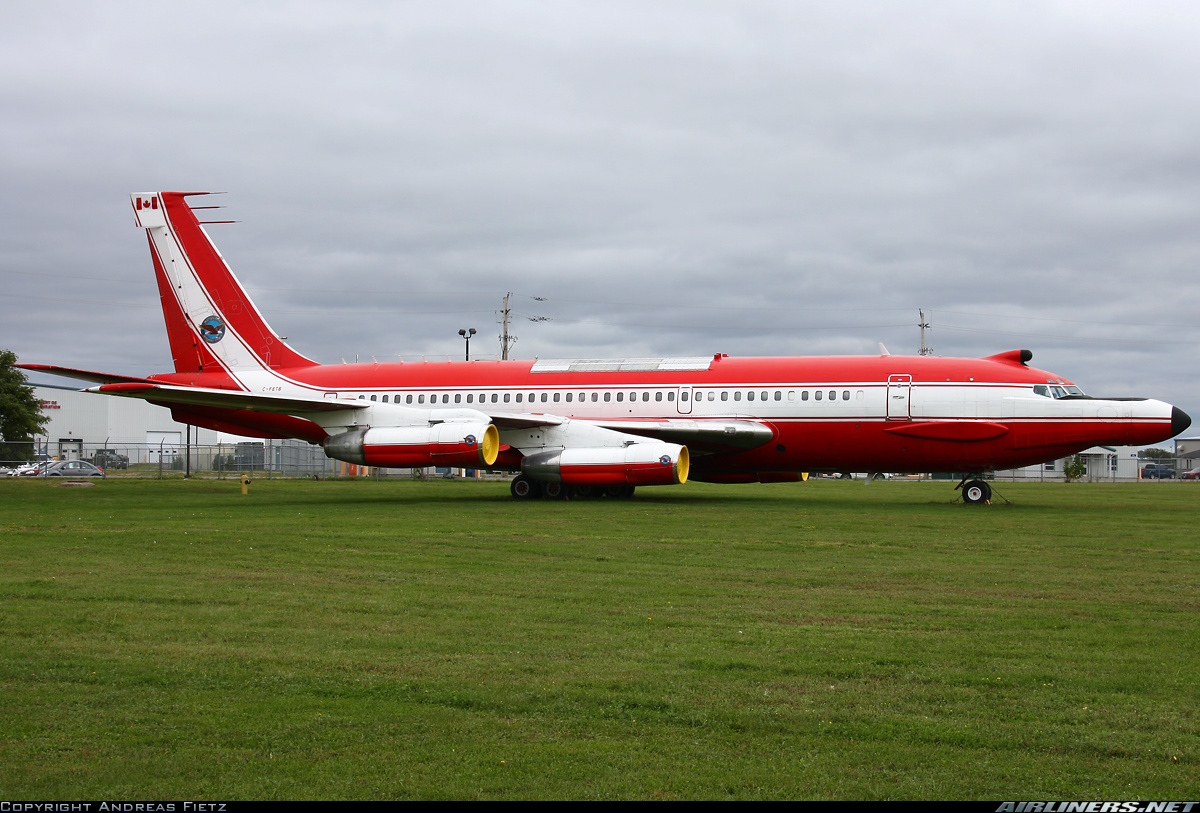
<point x="764" y="395"/>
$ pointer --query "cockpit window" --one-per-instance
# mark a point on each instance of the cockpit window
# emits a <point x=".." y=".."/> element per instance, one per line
<point x="1056" y="390"/>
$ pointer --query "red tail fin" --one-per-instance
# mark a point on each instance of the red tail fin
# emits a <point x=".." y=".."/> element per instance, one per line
<point x="212" y="324"/>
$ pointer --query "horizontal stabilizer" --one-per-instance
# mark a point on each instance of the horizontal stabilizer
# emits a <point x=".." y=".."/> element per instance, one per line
<point x="228" y="399"/>
<point x="84" y="375"/>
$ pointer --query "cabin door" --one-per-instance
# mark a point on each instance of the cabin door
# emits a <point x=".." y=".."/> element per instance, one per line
<point x="898" y="397"/>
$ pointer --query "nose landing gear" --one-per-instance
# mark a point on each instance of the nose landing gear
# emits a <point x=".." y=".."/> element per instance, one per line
<point x="975" y="492"/>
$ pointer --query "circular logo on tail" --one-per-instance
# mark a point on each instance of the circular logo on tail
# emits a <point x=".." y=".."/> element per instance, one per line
<point x="212" y="329"/>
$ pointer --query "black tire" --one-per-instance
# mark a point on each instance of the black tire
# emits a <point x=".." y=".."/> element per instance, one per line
<point x="976" y="492"/>
<point x="555" y="491"/>
<point x="523" y="488"/>
<point x="587" y="492"/>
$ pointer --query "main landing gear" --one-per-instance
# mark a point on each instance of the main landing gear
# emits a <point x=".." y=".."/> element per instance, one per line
<point x="975" y="492"/>
<point x="526" y="488"/>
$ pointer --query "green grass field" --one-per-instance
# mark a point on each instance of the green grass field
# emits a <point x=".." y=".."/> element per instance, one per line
<point x="379" y="640"/>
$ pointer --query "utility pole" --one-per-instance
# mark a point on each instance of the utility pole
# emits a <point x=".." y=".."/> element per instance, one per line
<point x="925" y="351"/>
<point x="506" y="341"/>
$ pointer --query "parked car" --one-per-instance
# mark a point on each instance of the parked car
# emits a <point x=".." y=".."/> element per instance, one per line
<point x="1157" y="471"/>
<point x="70" y="468"/>
<point x="1194" y="474"/>
<point x="110" y="459"/>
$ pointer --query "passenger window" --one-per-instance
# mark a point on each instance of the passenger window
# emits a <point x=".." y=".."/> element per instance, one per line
<point x="712" y="395"/>
<point x="750" y="395"/>
<point x="494" y="398"/>
<point x="458" y="397"/>
<point x="385" y="399"/>
<point x="446" y="398"/>
<point x="658" y="396"/>
<point x="858" y="395"/>
<point x="804" y="395"/>
<point x="845" y="395"/>
<point x="543" y="397"/>
<point x="607" y="397"/>
<point x="519" y="396"/>
<point x="595" y="396"/>
<point x="362" y="397"/>
<point x="471" y="398"/>
<point x="817" y="395"/>
<point x="505" y="397"/>
<point x="724" y="395"/>
<point x="646" y="396"/>
<point x="764" y="395"/>
<point x="408" y="398"/>
<point x="620" y="397"/>
<point x="832" y="395"/>
<point x="791" y="395"/>
<point x="671" y="396"/>
<point x="570" y="395"/>
<point x="683" y="395"/>
<point x="421" y="398"/>
<point x="737" y="395"/>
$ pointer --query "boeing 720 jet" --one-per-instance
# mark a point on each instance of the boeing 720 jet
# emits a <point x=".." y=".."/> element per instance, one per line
<point x="605" y="426"/>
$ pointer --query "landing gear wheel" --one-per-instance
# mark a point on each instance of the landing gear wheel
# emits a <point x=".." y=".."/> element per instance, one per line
<point x="618" y="492"/>
<point x="976" y="492"/>
<point x="523" y="488"/>
<point x="587" y="492"/>
<point x="555" y="491"/>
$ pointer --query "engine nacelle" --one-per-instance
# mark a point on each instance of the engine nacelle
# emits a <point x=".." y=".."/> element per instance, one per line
<point x="638" y="464"/>
<point x="453" y="443"/>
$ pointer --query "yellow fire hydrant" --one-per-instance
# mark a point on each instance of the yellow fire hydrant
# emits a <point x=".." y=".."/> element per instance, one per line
<point x="245" y="484"/>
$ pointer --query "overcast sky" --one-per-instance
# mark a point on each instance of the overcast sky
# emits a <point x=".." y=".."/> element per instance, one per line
<point x="647" y="178"/>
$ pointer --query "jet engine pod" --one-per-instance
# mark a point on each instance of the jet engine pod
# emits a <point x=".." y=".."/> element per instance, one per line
<point x="453" y="443"/>
<point x="637" y="464"/>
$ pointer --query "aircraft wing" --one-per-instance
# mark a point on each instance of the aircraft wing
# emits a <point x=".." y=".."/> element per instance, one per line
<point x="522" y="420"/>
<point x="712" y="436"/>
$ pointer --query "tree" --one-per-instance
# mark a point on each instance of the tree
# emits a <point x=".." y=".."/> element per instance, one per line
<point x="1074" y="469"/>
<point x="1155" y="454"/>
<point x="20" y="413"/>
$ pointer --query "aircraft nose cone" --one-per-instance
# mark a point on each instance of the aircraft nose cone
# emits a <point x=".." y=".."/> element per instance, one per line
<point x="1179" y="420"/>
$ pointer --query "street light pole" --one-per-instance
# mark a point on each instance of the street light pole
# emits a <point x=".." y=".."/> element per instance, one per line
<point x="467" y="336"/>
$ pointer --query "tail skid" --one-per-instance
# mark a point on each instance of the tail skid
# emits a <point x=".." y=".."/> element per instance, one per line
<point x="212" y="324"/>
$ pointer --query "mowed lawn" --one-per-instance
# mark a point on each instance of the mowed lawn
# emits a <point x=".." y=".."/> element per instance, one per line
<point x="380" y="640"/>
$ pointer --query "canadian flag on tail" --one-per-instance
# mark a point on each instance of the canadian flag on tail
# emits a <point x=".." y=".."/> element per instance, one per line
<point x="148" y="211"/>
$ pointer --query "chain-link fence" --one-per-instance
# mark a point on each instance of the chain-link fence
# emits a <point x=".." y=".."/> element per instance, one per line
<point x="267" y="458"/>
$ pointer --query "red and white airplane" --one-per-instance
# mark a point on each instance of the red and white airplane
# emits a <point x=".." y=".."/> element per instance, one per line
<point x="591" y="426"/>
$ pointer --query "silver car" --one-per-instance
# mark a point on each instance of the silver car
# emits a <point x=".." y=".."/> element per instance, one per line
<point x="70" y="468"/>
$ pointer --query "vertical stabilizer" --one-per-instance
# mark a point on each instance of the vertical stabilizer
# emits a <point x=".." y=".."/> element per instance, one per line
<point x="212" y="324"/>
